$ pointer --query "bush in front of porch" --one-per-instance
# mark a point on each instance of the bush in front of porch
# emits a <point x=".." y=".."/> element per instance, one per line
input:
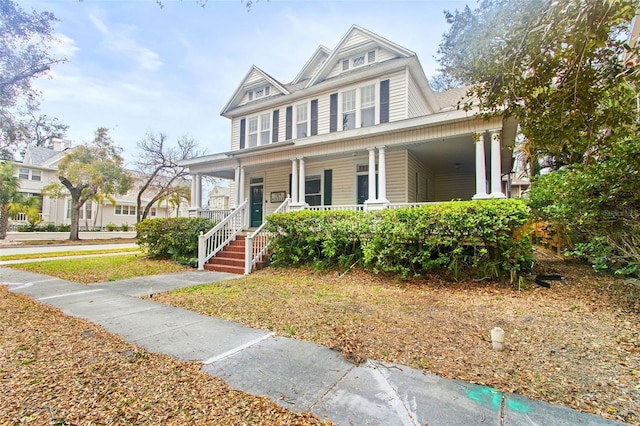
<point x="480" y="237"/>
<point x="173" y="237"/>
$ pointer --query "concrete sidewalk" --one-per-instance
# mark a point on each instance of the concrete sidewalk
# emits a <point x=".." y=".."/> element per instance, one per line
<point x="298" y="375"/>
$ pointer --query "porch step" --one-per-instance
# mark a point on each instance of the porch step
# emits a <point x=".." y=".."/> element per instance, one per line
<point x="231" y="258"/>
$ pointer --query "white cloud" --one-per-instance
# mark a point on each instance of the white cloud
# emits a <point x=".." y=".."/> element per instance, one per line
<point x="120" y="40"/>
<point x="63" y="46"/>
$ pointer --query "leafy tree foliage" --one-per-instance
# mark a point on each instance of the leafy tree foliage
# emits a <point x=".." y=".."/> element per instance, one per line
<point x="9" y="186"/>
<point x="555" y="66"/>
<point x="88" y="170"/>
<point x="157" y="163"/>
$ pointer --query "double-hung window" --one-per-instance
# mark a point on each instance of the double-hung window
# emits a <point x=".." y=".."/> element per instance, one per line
<point x="301" y="121"/>
<point x="252" y="132"/>
<point x="368" y="106"/>
<point x="265" y="129"/>
<point x="349" y="110"/>
<point x="23" y="174"/>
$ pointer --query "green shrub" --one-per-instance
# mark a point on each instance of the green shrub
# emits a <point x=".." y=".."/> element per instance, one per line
<point x="172" y="238"/>
<point x="456" y="236"/>
<point x="111" y="227"/>
<point x="124" y="227"/>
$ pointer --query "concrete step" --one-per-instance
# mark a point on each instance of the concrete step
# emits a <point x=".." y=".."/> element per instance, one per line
<point x="239" y="270"/>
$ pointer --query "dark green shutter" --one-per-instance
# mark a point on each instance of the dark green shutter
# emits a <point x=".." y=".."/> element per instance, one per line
<point x="314" y="117"/>
<point x="290" y="177"/>
<point x="288" y="128"/>
<point x="328" y="176"/>
<point x="242" y="131"/>
<point x="333" y="113"/>
<point x="384" y="101"/>
<point x="275" y="127"/>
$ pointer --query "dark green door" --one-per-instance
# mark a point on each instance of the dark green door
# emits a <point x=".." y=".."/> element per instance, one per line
<point x="256" y="201"/>
<point x="363" y="188"/>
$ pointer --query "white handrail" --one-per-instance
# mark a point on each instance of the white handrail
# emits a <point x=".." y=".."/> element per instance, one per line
<point x="222" y="234"/>
<point x="257" y="244"/>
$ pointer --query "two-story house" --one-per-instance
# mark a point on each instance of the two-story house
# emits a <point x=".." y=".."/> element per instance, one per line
<point x="358" y="126"/>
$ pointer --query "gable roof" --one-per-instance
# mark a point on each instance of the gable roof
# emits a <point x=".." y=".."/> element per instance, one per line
<point x="317" y="60"/>
<point x="40" y="156"/>
<point x="357" y="37"/>
<point x="254" y="76"/>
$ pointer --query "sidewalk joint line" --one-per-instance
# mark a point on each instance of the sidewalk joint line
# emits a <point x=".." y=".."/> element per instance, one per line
<point x="332" y="387"/>
<point x="69" y="294"/>
<point x="236" y="349"/>
<point x="407" y="417"/>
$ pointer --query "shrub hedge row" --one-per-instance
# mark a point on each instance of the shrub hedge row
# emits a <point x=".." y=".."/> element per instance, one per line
<point x="473" y="236"/>
<point x="172" y="238"/>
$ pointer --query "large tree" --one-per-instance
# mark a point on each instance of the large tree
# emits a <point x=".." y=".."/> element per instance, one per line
<point x="25" y="54"/>
<point x="90" y="169"/>
<point x="554" y="65"/>
<point x="157" y="165"/>
<point x="9" y="186"/>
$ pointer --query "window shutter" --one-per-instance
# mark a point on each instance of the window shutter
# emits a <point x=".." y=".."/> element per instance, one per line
<point x="243" y="125"/>
<point x="289" y="117"/>
<point x="290" y="178"/>
<point x="314" y="117"/>
<point x="333" y="113"/>
<point x="275" y="127"/>
<point x="384" y="101"/>
<point x="328" y="176"/>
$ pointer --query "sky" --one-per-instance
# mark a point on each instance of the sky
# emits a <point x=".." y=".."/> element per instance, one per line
<point x="136" y="67"/>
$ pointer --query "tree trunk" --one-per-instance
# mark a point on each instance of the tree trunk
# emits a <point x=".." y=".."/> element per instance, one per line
<point x="75" y="219"/>
<point x="4" y="220"/>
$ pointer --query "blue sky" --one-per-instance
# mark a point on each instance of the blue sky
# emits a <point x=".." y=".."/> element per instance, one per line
<point x="134" y="66"/>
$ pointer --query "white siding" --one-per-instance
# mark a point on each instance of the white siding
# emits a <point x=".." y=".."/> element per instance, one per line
<point x="323" y="113"/>
<point x="355" y="38"/>
<point x="235" y="134"/>
<point x="417" y="104"/>
<point x="425" y="178"/>
<point x="254" y="77"/>
<point x="396" y="165"/>
<point x="337" y="69"/>
<point x="384" y="55"/>
<point x="453" y="186"/>
<point x="398" y="96"/>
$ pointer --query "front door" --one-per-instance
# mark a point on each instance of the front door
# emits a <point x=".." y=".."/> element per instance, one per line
<point x="256" y="201"/>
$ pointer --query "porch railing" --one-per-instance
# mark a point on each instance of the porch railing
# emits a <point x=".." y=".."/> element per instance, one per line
<point x="257" y="244"/>
<point x="353" y="207"/>
<point x="215" y="215"/>
<point x="409" y="205"/>
<point x="222" y="234"/>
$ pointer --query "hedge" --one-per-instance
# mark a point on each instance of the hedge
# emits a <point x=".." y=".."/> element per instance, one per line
<point x="476" y="236"/>
<point x="172" y="238"/>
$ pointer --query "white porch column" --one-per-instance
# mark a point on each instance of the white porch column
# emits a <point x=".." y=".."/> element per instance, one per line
<point x="372" y="175"/>
<point x="241" y="196"/>
<point x="303" y="184"/>
<point x="382" y="176"/>
<point x="198" y="191"/>
<point x="192" y="203"/>
<point x="481" y="173"/>
<point x="496" y="167"/>
<point x="236" y="192"/>
<point x="294" y="181"/>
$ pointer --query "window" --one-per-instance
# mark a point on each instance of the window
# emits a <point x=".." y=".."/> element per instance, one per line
<point x="265" y="128"/>
<point x="349" y="110"/>
<point x="358" y="61"/>
<point x="252" y="132"/>
<point x="36" y="175"/>
<point x="345" y="64"/>
<point x="250" y="95"/>
<point x="86" y="211"/>
<point x="301" y="121"/>
<point x="267" y="90"/>
<point x="125" y="210"/>
<point x="153" y="212"/>
<point x="371" y="56"/>
<point x="259" y="92"/>
<point x="368" y="106"/>
<point x="313" y="195"/>
<point x="23" y="174"/>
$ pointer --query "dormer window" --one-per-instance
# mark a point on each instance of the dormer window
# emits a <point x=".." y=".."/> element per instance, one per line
<point x="358" y="61"/>
<point x="345" y="65"/>
<point x="371" y="56"/>
<point x="259" y="93"/>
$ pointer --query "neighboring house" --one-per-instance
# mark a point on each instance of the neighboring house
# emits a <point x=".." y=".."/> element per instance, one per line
<point x="219" y="198"/>
<point x="358" y="126"/>
<point x="38" y="169"/>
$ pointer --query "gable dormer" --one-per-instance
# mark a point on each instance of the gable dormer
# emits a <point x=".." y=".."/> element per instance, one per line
<point x="312" y="66"/>
<point x="257" y="85"/>
<point x="358" y="49"/>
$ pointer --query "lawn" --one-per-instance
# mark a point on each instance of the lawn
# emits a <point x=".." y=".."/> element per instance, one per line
<point x="66" y="253"/>
<point x="574" y="344"/>
<point x="59" y="370"/>
<point x="101" y="269"/>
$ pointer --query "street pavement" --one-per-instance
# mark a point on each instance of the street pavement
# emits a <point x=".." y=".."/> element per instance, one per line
<point x="300" y="376"/>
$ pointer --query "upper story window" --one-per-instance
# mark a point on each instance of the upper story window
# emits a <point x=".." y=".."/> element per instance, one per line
<point x="349" y="110"/>
<point x="359" y="107"/>
<point x="259" y="92"/>
<point x="368" y="106"/>
<point x="28" y="174"/>
<point x="36" y="175"/>
<point x="258" y="130"/>
<point x="23" y="174"/>
<point x="302" y="121"/>
<point x="359" y="60"/>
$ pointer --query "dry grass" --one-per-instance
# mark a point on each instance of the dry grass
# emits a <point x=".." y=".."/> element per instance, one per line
<point x="576" y="344"/>
<point x="58" y="370"/>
